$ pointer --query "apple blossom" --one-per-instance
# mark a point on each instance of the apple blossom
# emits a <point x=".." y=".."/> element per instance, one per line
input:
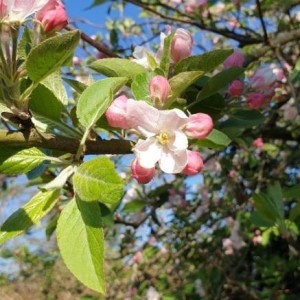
<point x="181" y="45"/>
<point x="160" y="89"/>
<point x="236" y="59"/>
<point x="116" y="113"/>
<point x="17" y="11"/>
<point x="53" y="16"/>
<point x="142" y="175"/>
<point x="263" y="79"/>
<point x="258" y="143"/>
<point x="236" y="88"/>
<point x="140" y="56"/>
<point x="165" y="143"/>
<point x="256" y="100"/>
<point x="194" y="164"/>
<point x="198" y="125"/>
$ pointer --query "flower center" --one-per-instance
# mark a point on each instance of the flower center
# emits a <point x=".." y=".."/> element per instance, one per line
<point x="163" y="138"/>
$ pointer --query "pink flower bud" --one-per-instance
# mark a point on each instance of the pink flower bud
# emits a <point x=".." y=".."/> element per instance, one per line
<point x="194" y="164"/>
<point x="236" y="59"/>
<point x="116" y="113"/>
<point x="181" y="45"/>
<point x="141" y="174"/>
<point x="199" y="125"/>
<point x="262" y="79"/>
<point x="236" y="88"/>
<point x="159" y="89"/>
<point x="53" y="16"/>
<point x="258" y="143"/>
<point x="255" y="100"/>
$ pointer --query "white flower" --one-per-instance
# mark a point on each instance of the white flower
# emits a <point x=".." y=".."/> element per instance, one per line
<point x="141" y="57"/>
<point x="19" y="10"/>
<point x="165" y="143"/>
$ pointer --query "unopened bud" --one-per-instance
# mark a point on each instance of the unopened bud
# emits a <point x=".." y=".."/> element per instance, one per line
<point x="181" y="45"/>
<point x="141" y="174"/>
<point x="236" y="59"/>
<point x="199" y="126"/>
<point x="116" y="113"/>
<point x="194" y="164"/>
<point x="160" y="89"/>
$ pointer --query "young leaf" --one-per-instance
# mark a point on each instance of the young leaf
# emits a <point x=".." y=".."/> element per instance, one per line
<point x="96" y="98"/>
<point x="97" y="179"/>
<point x="50" y="55"/>
<point x="18" y="161"/>
<point x="80" y="239"/>
<point x="215" y="140"/>
<point x="140" y="86"/>
<point x="117" y="67"/>
<point x="55" y="84"/>
<point x="180" y="82"/>
<point x="219" y="81"/>
<point x="30" y="214"/>
<point x="205" y="62"/>
<point x="44" y="102"/>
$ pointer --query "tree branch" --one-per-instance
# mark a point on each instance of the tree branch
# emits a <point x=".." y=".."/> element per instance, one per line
<point x="33" y="138"/>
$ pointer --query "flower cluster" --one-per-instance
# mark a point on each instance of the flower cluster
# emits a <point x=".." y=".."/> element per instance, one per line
<point x="259" y="88"/>
<point x="181" y="47"/>
<point x="163" y="137"/>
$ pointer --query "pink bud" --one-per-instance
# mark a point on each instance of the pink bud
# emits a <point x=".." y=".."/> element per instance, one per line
<point x="116" y="113"/>
<point x="262" y="79"/>
<point x="255" y="100"/>
<point x="236" y="88"/>
<point x="199" y="125"/>
<point x="3" y="9"/>
<point x="194" y="164"/>
<point x="181" y="45"/>
<point x="141" y="174"/>
<point x="236" y="59"/>
<point x="53" y="16"/>
<point x="159" y="89"/>
<point x="258" y="143"/>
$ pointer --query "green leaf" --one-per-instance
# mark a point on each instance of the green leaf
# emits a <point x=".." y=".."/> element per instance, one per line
<point x="213" y="106"/>
<point x="219" y="81"/>
<point x="44" y="102"/>
<point x="96" y="98"/>
<point x="292" y="192"/>
<point x="165" y="58"/>
<point x="117" y="67"/>
<point x="133" y="206"/>
<point x="140" y="86"/>
<point x="78" y="86"/>
<point x="55" y="84"/>
<point x="240" y="119"/>
<point x="97" y="180"/>
<point x="215" y="140"/>
<point x="30" y="214"/>
<point x="80" y="239"/>
<point x="259" y="221"/>
<point x="268" y="208"/>
<point x="18" y="161"/>
<point x="205" y="62"/>
<point x="180" y="82"/>
<point x="50" y="55"/>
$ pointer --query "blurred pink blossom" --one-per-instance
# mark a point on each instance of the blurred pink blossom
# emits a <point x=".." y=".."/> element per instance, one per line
<point x="236" y="88"/>
<point x="258" y="143"/>
<point x="53" y="16"/>
<point x="236" y="59"/>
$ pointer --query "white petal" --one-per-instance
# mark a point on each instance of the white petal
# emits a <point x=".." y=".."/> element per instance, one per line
<point x="148" y="152"/>
<point x="171" y="119"/>
<point x="179" y="141"/>
<point x="173" y="162"/>
<point x="142" y="117"/>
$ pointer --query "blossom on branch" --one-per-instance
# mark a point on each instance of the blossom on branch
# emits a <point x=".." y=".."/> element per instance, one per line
<point x="12" y="11"/>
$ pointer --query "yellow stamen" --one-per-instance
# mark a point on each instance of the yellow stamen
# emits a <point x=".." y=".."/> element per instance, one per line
<point x="163" y="138"/>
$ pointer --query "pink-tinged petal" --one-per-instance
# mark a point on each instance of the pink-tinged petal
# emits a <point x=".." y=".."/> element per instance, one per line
<point x="142" y="175"/>
<point x="142" y="117"/>
<point x="148" y="152"/>
<point x="171" y="119"/>
<point x="173" y="162"/>
<point x="194" y="164"/>
<point x="179" y="141"/>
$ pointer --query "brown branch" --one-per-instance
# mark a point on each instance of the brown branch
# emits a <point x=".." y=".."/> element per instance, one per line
<point x="242" y="39"/>
<point x="64" y="144"/>
<point x="263" y="25"/>
<point x="275" y="41"/>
